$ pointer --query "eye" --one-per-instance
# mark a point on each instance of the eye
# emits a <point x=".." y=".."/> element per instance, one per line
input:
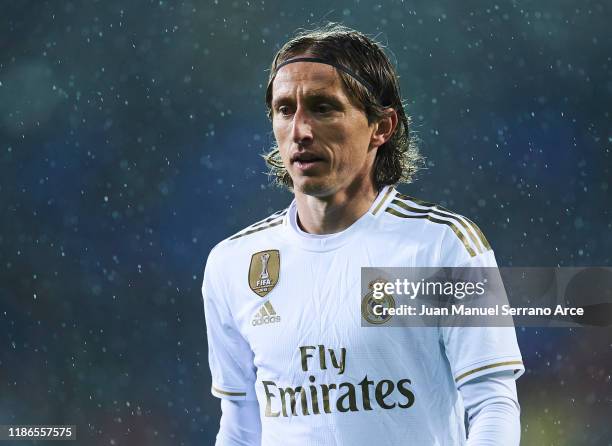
<point x="323" y="108"/>
<point x="283" y="110"/>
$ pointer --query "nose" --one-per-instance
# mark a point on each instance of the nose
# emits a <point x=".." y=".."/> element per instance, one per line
<point x="302" y="128"/>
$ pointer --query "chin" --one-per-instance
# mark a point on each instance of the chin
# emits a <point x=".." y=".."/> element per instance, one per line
<point x="313" y="186"/>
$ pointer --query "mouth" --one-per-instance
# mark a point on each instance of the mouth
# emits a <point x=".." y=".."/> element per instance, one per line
<point x="306" y="160"/>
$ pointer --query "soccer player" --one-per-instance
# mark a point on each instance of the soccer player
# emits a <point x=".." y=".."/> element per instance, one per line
<point x="289" y="358"/>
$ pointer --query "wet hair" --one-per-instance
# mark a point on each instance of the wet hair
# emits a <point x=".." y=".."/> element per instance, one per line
<point x="398" y="159"/>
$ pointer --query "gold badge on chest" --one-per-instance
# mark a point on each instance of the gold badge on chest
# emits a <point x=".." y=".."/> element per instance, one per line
<point x="264" y="271"/>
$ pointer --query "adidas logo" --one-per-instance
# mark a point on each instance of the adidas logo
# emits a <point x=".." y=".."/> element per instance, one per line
<point x="266" y="315"/>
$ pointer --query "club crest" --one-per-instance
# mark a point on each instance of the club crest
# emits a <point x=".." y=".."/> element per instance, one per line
<point x="369" y="302"/>
<point x="264" y="271"/>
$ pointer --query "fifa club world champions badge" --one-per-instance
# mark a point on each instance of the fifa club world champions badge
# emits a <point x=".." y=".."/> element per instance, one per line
<point x="264" y="271"/>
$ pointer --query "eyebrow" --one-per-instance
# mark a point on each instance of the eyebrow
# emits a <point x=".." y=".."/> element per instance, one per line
<point x="309" y="97"/>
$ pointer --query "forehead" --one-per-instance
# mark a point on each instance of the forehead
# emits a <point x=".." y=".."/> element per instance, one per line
<point x="308" y="77"/>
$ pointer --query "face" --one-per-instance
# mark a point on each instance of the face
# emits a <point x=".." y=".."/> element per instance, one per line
<point x="324" y="140"/>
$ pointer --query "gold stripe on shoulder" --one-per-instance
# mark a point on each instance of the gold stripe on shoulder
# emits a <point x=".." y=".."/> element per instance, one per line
<point x="416" y="200"/>
<point x="450" y="224"/>
<point x="474" y="228"/>
<point x="269" y="219"/>
<point x="223" y="392"/>
<point x="486" y="367"/>
<point x="452" y="216"/>
<point x="482" y="237"/>
<point x="381" y="202"/>
<point x="252" y="231"/>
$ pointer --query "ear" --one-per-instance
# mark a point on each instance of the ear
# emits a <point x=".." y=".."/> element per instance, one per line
<point x="384" y="128"/>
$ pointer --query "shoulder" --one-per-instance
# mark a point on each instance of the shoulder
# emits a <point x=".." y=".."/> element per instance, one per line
<point x="456" y="235"/>
<point x="248" y="238"/>
<point x="273" y="220"/>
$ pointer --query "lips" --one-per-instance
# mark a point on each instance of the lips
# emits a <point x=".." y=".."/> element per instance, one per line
<point x="306" y="157"/>
<point x="307" y="162"/>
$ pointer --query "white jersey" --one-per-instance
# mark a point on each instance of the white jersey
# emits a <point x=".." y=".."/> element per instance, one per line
<point x="284" y="327"/>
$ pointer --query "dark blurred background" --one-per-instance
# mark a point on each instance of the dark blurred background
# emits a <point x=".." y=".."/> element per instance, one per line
<point x="130" y="135"/>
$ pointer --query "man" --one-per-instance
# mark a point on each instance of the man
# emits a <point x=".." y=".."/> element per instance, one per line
<point x="289" y="358"/>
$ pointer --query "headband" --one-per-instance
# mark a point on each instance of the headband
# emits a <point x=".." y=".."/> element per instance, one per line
<point x="336" y="65"/>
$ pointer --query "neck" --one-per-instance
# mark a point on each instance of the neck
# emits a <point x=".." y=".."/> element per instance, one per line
<point x="336" y="212"/>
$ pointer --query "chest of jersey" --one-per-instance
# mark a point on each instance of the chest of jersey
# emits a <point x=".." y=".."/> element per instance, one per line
<point x="306" y="333"/>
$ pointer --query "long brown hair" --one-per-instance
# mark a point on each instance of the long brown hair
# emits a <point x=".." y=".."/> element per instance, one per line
<point x="397" y="160"/>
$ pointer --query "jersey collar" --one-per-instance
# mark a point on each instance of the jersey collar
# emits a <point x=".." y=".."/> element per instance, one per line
<point x="328" y="242"/>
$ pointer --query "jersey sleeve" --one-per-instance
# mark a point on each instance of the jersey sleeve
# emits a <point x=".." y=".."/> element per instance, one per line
<point x="477" y="351"/>
<point x="229" y="355"/>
